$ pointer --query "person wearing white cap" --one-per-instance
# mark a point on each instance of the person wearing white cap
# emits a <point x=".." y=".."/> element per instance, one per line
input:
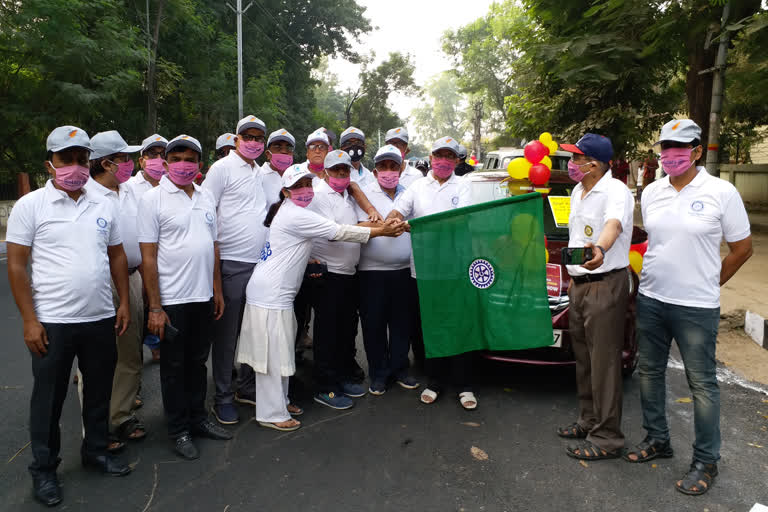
<point x="269" y="327"/>
<point x="236" y="184"/>
<point x="352" y="141"/>
<point x="71" y="240"/>
<point x="279" y="157"/>
<point x="398" y="137"/>
<point x="440" y="190"/>
<point x="224" y="144"/>
<point x="180" y="256"/>
<point x="124" y="424"/>
<point x="687" y="214"/>
<point x="385" y="284"/>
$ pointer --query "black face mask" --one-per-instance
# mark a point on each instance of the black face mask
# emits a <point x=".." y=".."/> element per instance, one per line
<point x="356" y="153"/>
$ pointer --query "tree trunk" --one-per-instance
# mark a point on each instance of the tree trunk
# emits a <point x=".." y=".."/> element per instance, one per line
<point x="152" y="72"/>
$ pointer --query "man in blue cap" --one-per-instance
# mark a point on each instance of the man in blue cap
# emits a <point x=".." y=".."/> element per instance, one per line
<point x="601" y="220"/>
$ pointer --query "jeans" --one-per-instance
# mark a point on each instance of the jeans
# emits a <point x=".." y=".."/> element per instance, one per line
<point x="695" y="331"/>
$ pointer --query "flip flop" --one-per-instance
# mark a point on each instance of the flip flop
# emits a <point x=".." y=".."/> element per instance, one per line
<point x="465" y="398"/>
<point x="281" y="429"/>
<point x="431" y="395"/>
<point x="298" y="411"/>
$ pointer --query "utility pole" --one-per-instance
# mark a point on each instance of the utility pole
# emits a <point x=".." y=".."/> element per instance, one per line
<point x="718" y="82"/>
<point x="477" y="123"/>
<point x="240" y="11"/>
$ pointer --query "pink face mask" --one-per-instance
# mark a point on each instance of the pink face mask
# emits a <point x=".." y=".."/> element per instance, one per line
<point x="316" y="168"/>
<point x="183" y="173"/>
<point x="302" y="196"/>
<point x="676" y="161"/>
<point x="155" y="168"/>
<point x="71" y="177"/>
<point x="574" y="171"/>
<point x="388" y="179"/>
<point x="281" y="162"/>
<point x="338" y="184"/>
<point x="251" y="149"/>
<point x="124" y="170"/>
<point x="443" y="167"/>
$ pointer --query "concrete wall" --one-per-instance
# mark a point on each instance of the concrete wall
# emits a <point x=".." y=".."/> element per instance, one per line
<point x="5" y="211"/>
<point x="751" y="180"/>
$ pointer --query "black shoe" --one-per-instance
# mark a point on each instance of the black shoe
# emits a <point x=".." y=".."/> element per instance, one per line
<point x="107" y="464"/>
<point x="47" y="489"/>
<point x="207" y="428"/>
<point x="185" y="448"/>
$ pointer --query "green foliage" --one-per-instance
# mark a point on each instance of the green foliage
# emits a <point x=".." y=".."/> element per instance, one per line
<point x="441" y="111"/>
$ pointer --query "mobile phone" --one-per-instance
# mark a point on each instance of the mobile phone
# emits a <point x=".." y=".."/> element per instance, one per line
<point x="171" y="333"/>
<point x="315" y="268"/>
<point x="576" y="255"/>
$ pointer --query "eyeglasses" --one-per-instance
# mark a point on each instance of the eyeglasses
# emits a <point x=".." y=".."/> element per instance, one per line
<point x="252" y="138"/>
<point x="317" y="147"/>
<point x="154" y="154"/>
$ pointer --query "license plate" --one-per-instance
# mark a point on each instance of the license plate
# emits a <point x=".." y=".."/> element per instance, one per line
<point x="558" y="338"/>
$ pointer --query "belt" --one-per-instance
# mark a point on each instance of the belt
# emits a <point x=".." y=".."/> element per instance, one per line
<point x="592" y="278"/>
<point x="132" y="270"/>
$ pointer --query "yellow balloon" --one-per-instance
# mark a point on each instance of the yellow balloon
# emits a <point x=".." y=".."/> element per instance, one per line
<point x="636" y="261"/>
<point x="552" y="147"/>
<point x="545" y="138"/>
<point x="518" y="168"/>
<point x="547" y="253"/>
<point x="547" y="161"/>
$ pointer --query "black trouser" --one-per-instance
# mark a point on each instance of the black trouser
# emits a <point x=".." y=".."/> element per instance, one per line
<point x="385" y="306"/>
<point x="94" y="345"/>
<point x="417" y="337"/>
<point x="302" y="307"/>
<point x="183" y="374"/>
<point x="335" y="327"/>
<point x="455" y="370"/>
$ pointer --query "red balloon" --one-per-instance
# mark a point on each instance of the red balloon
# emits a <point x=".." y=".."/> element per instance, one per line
<point x="539" y="174"/>
<point x="535" y="151"/>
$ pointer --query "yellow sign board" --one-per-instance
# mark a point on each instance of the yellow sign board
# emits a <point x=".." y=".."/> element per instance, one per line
<point x="561" y="209"/>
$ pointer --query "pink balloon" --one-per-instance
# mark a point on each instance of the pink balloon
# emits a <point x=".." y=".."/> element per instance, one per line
<point x="539" y="174"/>
<point x="535" y="151"/>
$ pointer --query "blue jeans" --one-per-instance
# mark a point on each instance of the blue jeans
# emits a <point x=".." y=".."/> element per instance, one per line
<point x="695" y="331"/>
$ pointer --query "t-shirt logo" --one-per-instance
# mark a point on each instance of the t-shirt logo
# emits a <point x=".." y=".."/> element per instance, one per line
<point x="455" y="200"/>
<point x="266" y="252"/>
<point x="588" y="230"/>
<point x="102" y="223"/>
<point x="209" y="217"/>
<point x="481" y="274"/>
<point x="697" y="206"/>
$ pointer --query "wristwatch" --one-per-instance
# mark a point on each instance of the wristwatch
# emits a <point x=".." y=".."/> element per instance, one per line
<point x="601" y="250"/>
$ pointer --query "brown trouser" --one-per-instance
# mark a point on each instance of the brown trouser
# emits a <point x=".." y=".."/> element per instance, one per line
<point x="596" y="326"/>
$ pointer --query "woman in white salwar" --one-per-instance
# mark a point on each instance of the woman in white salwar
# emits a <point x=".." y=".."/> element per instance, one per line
<point x="269" y="326"/>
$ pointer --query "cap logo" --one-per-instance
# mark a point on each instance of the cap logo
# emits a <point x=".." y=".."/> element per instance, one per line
<point x="447" y="140"/>
<point x="229" y="137"/>
<point x="72" y="133"/>
<point x="253" y="118"/>
<point x="397" y="131"/>
<point x="677" y="124"/>
<point x="159" y="138"/>
<point x="352" y="130"/>
<point x="283" y="132"/>
<point x="341" y="154"/>
<point x="185" y="137"/>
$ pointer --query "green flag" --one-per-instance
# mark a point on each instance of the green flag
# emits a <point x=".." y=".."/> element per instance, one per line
<point x="481" y="273"/>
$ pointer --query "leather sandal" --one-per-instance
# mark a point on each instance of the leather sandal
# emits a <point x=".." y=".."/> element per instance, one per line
<point x="698" y="480"/>
<point x="649" y="449"/>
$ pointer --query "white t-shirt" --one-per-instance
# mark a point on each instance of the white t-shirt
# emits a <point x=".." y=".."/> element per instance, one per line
<point x="383" y="253"/>
<point x="341" y="257"/>
<point x="276" y="279"/>
<point x="362" y="177"/>
<point x="427" y="196"/>
<point x="184" y="230"/>
<point x="127" y="205"/>
<point x="241" y="207"/>
<point x="685" y="229"/>
<point x="272" y="183"/>
<point x="70" y="266"/>
<point x="608" y="199"/>
<point x="409" y="176"/>
<point x="139" y="184"/>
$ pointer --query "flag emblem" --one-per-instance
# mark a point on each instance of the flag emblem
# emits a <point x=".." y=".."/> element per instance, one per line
<point x="481" y="274"/>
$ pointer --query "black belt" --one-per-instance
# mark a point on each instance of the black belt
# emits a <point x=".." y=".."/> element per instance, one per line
<point x="132" y="270"/>
<point x="592" y="278"/>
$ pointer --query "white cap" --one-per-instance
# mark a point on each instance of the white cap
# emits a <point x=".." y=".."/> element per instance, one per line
<point x="250" y="122"/>
<point x="281" y="134"/>
<point x="184" y="141"/>
<point x="225" y="139"/>
<point x="293" y="174"/>
<point x="318" y="136"/>
<point x="680" y="130"/>
<point x="108" y="143"/>
<point x="397" y="134"/>
<point x="336" y="157"/>
<point x="388" y="152"/>
<point x="351" y="133"/>
<point x="153" y="141"/>
<point x="446" y="143"/>
<point x="65" y="137"/>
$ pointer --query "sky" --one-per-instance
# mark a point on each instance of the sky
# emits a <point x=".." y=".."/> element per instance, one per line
<point x="414" y="27"/>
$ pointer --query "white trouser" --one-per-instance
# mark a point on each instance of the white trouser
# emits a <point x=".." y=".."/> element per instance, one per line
<point x="271" y="388"/>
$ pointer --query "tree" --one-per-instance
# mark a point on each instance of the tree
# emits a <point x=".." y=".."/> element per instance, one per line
<point x="442" y="111"/>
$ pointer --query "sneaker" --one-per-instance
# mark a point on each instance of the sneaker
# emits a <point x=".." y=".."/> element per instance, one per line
<point x="245" y="398"/>
<point x="334" y="401"/>
<point x="226" y="414"/>
<point x="353" y="390"/>
<point x="378" y="387"/>
<point x="408" y="382"/>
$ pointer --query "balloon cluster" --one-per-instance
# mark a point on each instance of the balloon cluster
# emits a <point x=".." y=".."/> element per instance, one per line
<point x="636" y="254"/>
<point x="536" y="166"/>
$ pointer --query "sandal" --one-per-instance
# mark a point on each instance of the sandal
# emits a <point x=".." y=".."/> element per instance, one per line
<point x="468" y="400"/>
<point x="138" y="403"/>
<point x="588" y="451"/>
<point x="115" y="445"/>
<point x="698" y="480"/>
<point x="294" y="425"/>
<point x="131" y="430"/>
<point x="649" y="449"/>
<point x="294" y="410"/>
<point x="572" y="431"/>
<point x="428" y="396"/>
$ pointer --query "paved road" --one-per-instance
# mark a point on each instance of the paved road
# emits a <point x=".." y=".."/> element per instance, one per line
<point x="391" y="452"/>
